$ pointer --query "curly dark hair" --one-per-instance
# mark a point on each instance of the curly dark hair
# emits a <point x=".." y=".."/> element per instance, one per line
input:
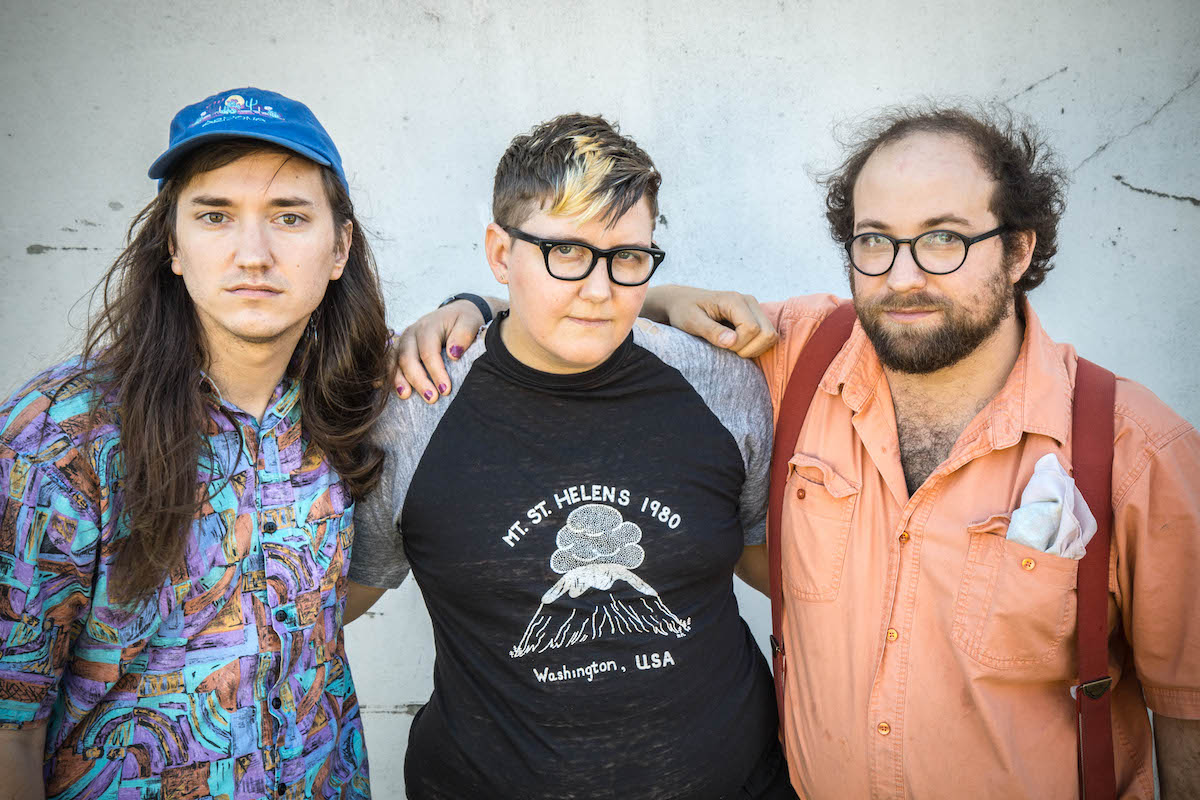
<point x="1030" y="183"/>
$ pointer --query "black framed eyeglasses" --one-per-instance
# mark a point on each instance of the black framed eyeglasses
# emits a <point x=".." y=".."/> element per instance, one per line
<point x="936" y="252"/>
<point x="628" y="265"/>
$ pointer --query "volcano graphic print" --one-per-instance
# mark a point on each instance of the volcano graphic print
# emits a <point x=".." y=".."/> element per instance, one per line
<point x="597" y="553"/>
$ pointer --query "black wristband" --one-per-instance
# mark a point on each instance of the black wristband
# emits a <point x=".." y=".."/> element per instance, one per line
<point x="475" y="300"/>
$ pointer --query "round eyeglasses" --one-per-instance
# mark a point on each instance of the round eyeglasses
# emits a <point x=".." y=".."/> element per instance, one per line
<point x="628" y="265"/>
<point x="935" y="252"/>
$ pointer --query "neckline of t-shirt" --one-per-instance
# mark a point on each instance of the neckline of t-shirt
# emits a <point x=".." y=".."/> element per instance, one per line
<point x="526" y="375"/>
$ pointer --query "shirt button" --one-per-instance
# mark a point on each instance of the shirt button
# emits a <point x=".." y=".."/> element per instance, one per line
<point x="281" y="788"/>
<point x="904" y="537"/>
<point x="269" y="527"/>
<point x="276" y="702"/>
<point x="800" y="492"/>
<point x="892" y="634"/>
<point x="884" y="729"/>
<point x="1028" y="563"/>
<point x="281" y="616"/>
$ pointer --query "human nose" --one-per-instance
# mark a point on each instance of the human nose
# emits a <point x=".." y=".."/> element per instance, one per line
<point x="905" y="275"/>
<point x="253" y="247"/>
<point x="596" y="286"/>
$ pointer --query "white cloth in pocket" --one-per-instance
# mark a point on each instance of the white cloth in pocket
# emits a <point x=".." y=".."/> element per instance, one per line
<point x="1053" y="516"/>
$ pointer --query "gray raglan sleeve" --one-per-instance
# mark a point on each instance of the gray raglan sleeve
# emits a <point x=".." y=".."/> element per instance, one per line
<point x="736" y="391"/>
<point x="403" y="432"/>
<point x="377" y="554"/>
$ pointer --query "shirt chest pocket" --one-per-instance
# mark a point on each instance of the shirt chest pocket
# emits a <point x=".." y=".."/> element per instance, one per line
<point x="818" y="507"/>
<point x="1016" y="605"/>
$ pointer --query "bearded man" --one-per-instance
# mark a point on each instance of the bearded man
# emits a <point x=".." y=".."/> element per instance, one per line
<point x="930" y="648"/>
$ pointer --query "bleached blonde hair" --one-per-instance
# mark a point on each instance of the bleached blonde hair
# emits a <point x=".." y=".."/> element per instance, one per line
<point x="573" y="166"/>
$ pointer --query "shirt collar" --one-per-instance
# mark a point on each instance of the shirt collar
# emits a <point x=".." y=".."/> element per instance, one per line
<point x="283" y="399"/>
<point x="1036" y="397"/>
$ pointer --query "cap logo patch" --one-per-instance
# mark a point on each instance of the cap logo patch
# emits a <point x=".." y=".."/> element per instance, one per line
<point x="234" y="105"/>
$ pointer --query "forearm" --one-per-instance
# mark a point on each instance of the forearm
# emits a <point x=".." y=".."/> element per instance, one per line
<point x="657" y="300"/>
<point x="725" y="319"/>
<point x="359" y="598"/>
<point x="21" y="758"/>
<point x="1177" y="745"/>
<point x="497" y="304"/>
<point x="753" y="567"/>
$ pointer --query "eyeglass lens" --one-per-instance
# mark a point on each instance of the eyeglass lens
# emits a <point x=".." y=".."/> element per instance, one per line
<point x="571" y="261"/>
<point x="936" y="252"/>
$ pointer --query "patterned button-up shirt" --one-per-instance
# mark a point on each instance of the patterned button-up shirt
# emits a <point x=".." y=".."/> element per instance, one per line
<point x="232" y="681"/>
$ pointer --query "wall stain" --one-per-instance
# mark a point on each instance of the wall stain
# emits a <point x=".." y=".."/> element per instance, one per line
<point x="1182" y="197"/>
<point x="38" y="249"/>
<point x="1035" y="84"/>
<point x="411" y="709"/>
<point x="1147" y="121"/>
<point x="114" y="205"/>
<point x="662" y="220"/>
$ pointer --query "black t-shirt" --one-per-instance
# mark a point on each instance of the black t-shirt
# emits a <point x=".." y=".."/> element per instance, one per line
<point x="574" y="538"/>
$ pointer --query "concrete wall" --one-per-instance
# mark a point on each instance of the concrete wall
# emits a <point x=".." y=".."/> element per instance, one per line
<point x="735" y="101"/>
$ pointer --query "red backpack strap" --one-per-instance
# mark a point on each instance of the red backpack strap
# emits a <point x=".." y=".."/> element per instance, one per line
<point x="1092" y="459"/>
<point x="810" y="367"/>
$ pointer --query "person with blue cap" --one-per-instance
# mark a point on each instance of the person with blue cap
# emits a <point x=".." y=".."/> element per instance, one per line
<point x="175" y="502"/>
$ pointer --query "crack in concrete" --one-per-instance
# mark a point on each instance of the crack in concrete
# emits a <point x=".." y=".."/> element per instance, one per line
<point x="1182" y="197"/>
<point x="1147" y="121"/>
<point x="411" y="709"/>
<point x="38" y="249"/>
<point x="1035" y="84"/>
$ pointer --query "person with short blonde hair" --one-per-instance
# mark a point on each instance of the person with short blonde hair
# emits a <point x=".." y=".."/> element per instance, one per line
<point x="575" y="512"/>
<point x="931" y="529"/>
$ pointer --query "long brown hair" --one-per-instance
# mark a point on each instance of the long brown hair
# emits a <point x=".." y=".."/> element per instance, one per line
<point x="144" y="351"/>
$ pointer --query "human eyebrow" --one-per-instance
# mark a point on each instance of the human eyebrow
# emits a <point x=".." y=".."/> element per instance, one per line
<point x="291" y="202"/>
<point x="211" y="200"/>
<point x="871" y="224"/>
<point x="566" y="240"/>
<point x="929" y="224"/>
<point x="942" y="219"/>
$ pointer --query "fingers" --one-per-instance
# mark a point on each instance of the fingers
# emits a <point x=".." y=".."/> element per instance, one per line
<point x="698" y="321"/>
<point x="755" y="333"/>
<point x="432" y="381"/>
<point x="462" y="333"/>
<point x="410" y="373"/>
<point x="420" y="367"/>
<point x="752" y="333"/>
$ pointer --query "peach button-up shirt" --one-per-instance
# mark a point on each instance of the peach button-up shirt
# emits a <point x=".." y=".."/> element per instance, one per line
<point x="928" y="656"/>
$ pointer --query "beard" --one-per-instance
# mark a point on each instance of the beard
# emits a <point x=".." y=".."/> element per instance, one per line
<point x="905" y="349"/>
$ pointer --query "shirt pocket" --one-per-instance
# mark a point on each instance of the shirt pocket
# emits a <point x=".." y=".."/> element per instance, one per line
<point x="818" y="506"/>
<point x="1016" y="605"/>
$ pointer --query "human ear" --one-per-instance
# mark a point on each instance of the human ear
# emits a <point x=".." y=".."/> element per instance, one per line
<point x="497" y="246"/>
<point x="175" y="265"/>
<point x="1020" y="263"/>
<point x="341" y="252"/>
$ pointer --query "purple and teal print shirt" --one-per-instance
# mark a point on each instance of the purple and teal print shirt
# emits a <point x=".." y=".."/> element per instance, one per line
<point x="231" y="682"/>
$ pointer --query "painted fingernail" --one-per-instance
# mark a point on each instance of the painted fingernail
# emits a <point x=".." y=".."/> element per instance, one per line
<point x="428" y="395"/>
<point x="400" y="390"/>
<point x="442" y="388"/>
<point x="455" y="351"/>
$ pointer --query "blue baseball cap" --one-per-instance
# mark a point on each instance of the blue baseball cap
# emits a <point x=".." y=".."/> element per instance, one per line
<point x="249" y="114"/>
